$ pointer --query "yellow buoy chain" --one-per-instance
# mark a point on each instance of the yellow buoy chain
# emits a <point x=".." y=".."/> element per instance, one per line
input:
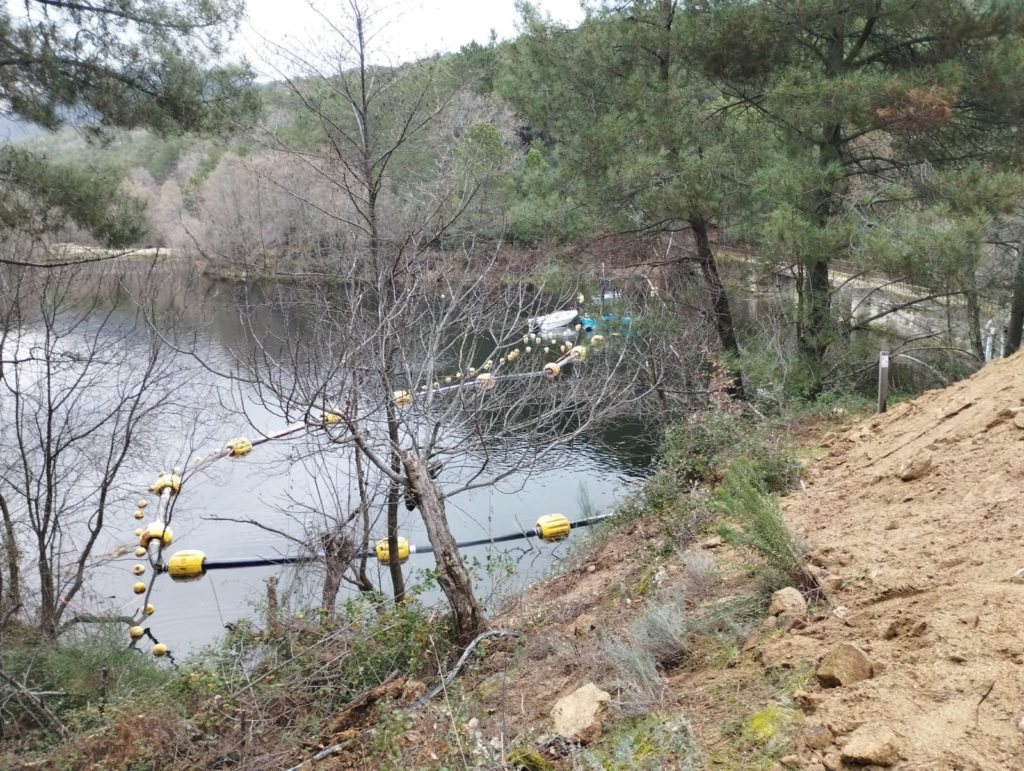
<point x="488" y="378"/>
<point x="191" y="564"/>
<point x="157" y="535"/>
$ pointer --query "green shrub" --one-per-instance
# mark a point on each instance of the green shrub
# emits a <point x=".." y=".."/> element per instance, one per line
<point x="757" y="524"/>
<point x="82" y="674"/>
<point x="329" y="660"/>
<point x="653" y="742"/>
<point x="701" y="448"/>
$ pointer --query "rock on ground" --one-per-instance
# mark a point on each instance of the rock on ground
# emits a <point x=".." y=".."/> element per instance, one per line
<point x="788" y="602"/>
<point x="915" y="468"/>
<point x="842" y="665"/>
<point x="817" y="736"/>
<point x="578" y="715"/>
<point x="872" y="744"/>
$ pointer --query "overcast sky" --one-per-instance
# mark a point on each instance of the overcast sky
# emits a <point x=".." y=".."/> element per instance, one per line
<point x="412" y="28"/>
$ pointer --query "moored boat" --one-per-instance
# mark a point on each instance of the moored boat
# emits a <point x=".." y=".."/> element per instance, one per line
<point x="552" y="321"/>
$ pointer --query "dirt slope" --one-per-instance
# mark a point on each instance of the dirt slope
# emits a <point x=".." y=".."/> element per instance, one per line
<point x="912" y="518"/>
<point x="918" y="515"/>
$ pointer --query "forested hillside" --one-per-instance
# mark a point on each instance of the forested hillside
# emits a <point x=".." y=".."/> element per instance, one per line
<point x="647" y="136"/>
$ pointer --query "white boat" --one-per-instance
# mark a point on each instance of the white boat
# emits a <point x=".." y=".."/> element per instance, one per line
<point x="552" y="321"/>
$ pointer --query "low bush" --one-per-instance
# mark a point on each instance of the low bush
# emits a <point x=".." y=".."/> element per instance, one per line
<point x="754" y="521"/>
<point x="88" y="672"/>
<point x="653" y="742"/>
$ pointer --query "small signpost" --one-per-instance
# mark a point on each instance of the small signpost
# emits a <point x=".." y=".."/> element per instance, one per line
<point x="883" y="379"/>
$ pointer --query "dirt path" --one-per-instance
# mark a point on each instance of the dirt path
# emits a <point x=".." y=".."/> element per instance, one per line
<point x="916" y="516"/>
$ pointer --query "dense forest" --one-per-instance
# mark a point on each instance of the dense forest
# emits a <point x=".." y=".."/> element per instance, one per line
<point x="750" y="199"/>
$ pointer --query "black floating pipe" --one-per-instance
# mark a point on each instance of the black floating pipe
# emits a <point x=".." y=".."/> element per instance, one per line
<point x="284" y="559"/>
<point x="255" y="562"/>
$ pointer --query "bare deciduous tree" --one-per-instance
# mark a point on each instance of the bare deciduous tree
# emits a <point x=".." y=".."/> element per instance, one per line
<point x="413" y="335"/>
<point x="82" y="387"/>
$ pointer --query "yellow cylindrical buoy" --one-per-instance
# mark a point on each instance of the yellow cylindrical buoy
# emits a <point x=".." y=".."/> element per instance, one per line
<point x="238" y="447"/>
<point x="529" y="349"/>
<point x="403" y="398"/>
<point x="580" y="352"/>
<point x="138" y="532"/>
<point x="486" y="381"/>
<point x="150" y="609"/>
<point x="139" y="587"/>
<point x="165" y="481"/>
<point x="140" y="551"/>
<point x="141" y="503"/>
<point x="552" y="370"/>
<point x="138" y="514"/>
<point x="186" y="565"/>
<point x="159" y="650"/>
<point x="156" y="531"/>
<point x="138" y="569"/>
<point x="597" y="339"/>
<point x="553" y="527"/>
<point x="383" y="555"/>
<point x="136" y="632"/>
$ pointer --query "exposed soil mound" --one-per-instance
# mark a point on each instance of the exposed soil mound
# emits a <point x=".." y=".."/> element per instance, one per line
<point x="916" y="520"/>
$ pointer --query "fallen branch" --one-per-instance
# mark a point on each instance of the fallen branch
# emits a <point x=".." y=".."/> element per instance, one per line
<point x="369" y="696"/>
<point x="977" y="709"/>
<point x="41" y="710"/>
<point x="91" y="618"/>
<point x="324" y="753"/>
<point x="446" y="680"/>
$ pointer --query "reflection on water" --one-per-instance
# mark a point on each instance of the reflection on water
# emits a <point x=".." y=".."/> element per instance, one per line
<point x="248" y="507"/>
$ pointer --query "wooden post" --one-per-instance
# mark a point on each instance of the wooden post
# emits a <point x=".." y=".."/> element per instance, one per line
<point x="883" y="379"/>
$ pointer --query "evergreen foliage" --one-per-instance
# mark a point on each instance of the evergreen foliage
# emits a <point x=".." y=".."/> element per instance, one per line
<point x="867" y="101"/>
<point x="122" y="64"/>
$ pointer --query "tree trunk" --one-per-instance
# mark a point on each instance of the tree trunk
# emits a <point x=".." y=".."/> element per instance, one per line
<point x="816" y="324"/>
<point x="48" y="613"/>
<point x="1016" y="325"/>
<point x="720" y="305"/>
<point x="12" y="558"/>
<point x="338" y="554"/>
<point x="817" y="321"/>
<point x="394" y="566"/>
<point x="974" y="316"/>
<point x="359" y="568"/>
<point x="452" y="574"/>
<point x="273" y="620"/>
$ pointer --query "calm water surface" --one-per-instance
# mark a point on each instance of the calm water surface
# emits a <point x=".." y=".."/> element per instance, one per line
<point x="273" y="488"/>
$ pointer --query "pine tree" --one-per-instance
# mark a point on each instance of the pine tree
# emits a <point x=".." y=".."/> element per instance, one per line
<point x="641" y="137"/>
<point x="109" y="64"/>
<point x="863" y="94"/>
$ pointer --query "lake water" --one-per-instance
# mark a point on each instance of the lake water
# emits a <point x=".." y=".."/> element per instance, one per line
<point x="272" y="487"/>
